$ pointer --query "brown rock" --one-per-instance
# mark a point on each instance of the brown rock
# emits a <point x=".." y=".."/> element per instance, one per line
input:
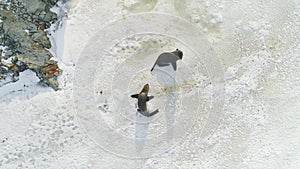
<point x="50" y="70"/>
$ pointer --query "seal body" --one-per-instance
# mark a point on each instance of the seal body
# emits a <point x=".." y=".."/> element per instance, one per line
<point x="143" y="98"/>
<point x="167" y="58"/>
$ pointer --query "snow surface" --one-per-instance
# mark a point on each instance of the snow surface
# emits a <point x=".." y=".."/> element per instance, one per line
<point x="92" y="122"/>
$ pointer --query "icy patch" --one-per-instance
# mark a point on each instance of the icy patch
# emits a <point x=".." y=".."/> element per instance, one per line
<point x="27" y="31"/>
<point x="3" y="50"/>
<point x="57" y="29"/>
<point x="26" y="87"/>
<point x="244" y="77"/>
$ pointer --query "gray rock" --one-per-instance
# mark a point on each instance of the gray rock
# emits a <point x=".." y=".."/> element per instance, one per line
<point x="30" y="46"/>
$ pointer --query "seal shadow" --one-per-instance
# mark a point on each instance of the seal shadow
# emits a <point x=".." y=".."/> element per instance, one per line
<point x="165" y="76"/>
<point x="141" y="130"/>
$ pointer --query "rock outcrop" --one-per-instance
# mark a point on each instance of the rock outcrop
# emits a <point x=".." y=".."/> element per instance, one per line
<point x="24" y="42"/>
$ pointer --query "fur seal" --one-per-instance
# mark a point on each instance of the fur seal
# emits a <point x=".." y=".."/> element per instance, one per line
<point x="143" y="98"/>
<point x="168" y="58"/>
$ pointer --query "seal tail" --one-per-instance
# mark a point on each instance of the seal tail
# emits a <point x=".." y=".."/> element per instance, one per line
<point x="153" y="113"/>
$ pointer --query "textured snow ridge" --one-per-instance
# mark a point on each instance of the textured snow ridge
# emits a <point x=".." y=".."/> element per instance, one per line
<point x="92" y="122"/>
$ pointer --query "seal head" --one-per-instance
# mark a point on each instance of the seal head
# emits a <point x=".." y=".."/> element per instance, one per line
<point x="178" y="53"/>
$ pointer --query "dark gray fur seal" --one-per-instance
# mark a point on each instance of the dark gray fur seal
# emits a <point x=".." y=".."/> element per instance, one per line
<point x="143" y="98"/>
<point x="168" y="58"/>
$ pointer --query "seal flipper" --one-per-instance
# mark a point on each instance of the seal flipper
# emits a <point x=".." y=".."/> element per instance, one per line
<point x="153" y="67"/>
<point x="147" y="114"/>
<point x="150" y="97"/>
<point x="135" y="96"/>
<point x="174" y="66"/>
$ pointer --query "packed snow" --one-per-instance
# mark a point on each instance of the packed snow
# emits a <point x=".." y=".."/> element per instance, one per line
<point x="232" y="103"/>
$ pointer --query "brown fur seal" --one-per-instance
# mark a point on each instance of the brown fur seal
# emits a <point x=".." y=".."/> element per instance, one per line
<point x="143" y="98"/>
<point x="167" y="58"/>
